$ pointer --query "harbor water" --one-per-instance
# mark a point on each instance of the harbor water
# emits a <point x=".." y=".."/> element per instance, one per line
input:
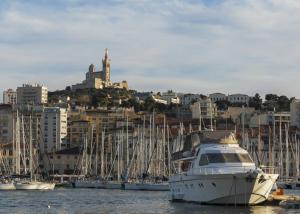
<point x="100" y="201"/>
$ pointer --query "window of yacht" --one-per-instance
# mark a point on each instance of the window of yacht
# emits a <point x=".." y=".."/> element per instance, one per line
<point x="203" y="160"/>
<point x="224" y="158"/>
<point x="244" y="158"/>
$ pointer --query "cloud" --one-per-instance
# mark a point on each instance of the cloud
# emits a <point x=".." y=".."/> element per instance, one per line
<point x="232" y="46"/>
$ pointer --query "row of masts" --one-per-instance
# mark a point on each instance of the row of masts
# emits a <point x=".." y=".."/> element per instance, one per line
<point x="281" y="150"/>
<point x="127" y="153"/>
<point x="24" y="160"/>
<point x="130" y="152"/>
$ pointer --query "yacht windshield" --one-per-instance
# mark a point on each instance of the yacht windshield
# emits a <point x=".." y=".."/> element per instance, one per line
<point x="224" y="158"/>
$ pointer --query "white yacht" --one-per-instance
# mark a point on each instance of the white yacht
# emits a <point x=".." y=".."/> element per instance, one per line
<point x="34" y="185"/>
<point x="9" y="185"/>
<point x="215" y="170"/>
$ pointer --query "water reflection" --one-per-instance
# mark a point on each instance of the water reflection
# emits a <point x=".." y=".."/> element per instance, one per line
<point x="95" y="201"/>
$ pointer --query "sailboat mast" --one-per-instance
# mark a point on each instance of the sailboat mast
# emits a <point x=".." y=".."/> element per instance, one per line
<point x="102" y="153"/>
<point x="259" y="143"/>
<point x="270" y="147"/>
<point x="280" y="145"/>
<point x="96" y="153"/>
<point x="150" y="143"/>
<point x="287" y="164"/>
<point x="86" y="154"/>
<point x="169" y="152"/>
<point x="200" y="117"/>
<point x="243" y="125"/>
<point x="118" y="151"/>
<point x="24" y="145"/>
<point x="274" y="140"/>
<point x="211" y="116"/>
<point x="14" y="167"/>
<point x="30" y="147"/>
<point x="127" y="142"/>
<point x="164" y="146"/>
<point x="17" y="145"/>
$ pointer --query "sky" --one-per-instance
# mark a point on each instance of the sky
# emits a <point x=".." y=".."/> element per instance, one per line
<point x="192" y="46"/>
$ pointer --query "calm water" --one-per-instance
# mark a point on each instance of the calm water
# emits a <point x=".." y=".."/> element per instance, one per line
<point x="92" y="201"/>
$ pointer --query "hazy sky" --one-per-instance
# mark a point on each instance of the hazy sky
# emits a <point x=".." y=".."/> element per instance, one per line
<point x="196" y="46"/>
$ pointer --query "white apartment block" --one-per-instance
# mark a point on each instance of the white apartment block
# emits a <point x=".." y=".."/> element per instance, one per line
<point x="268" y="119"/>
<point x="9" y="97"/>
<point x="295" y="113"/>
<point x="186" y="99"/>
<point x="238" y="98"/>
<point x="32" y="94"/>
<point x="206" y="106"/>
<point x="170" y="97"/>
<point x="6" y="124"/>
<point x="54" y="128"/>
<point x="217" y="97"/>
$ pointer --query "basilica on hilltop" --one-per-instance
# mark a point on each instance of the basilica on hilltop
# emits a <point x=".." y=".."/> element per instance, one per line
<point x="100" y="79"/>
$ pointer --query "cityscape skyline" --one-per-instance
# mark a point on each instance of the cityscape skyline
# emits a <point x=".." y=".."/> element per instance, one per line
<point x="193" y="46"/>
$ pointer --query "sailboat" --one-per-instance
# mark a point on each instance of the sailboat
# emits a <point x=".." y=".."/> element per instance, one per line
<point x="6" y="182"/>
<point x="144" y="161"/>
<point x="7" y="186"/>
<point x="32" y="184"/>
<point x="95" y="181"/>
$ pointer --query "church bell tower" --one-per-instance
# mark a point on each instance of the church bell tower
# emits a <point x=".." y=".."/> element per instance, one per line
<point x="106" y="67"/>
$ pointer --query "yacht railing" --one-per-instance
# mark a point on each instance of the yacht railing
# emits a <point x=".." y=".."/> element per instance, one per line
<point x="217" y="170"/>
<point x="270" y="169"/>
<point x="232" y="169"/>
<point x="229" y="170"/>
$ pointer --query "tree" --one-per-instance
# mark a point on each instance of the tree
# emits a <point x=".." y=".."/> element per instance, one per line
<point x="255" y="102"/>
<point x="222" y="104"/>
<point x="68" y="88"/>
<point x="269" y="97"/>
<point x="84" y="100"/>
<point x="283" y="103"/>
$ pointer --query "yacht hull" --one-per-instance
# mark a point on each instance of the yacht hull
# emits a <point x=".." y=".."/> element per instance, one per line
<point x="97" y="184"/>
<point x="147" y="186"/>
<point x="237" y="189"/>
<point x="35" y="186"/>
<point x="86" y="184"/>
<point x="111" y="185"/>
<point x="7" y="186"/>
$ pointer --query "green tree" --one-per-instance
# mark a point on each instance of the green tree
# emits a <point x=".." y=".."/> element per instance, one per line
<point x="255" y="102"/>
<point x="222" y="104"/>
<point x="269" y="97"/>
<point x="283" y="103"/>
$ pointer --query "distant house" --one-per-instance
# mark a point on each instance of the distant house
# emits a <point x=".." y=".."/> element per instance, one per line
<point x="187" y="99"/>
<point x="217" y="97"/>
<point x="170" y="97"/>
<point x="238" y="98"/>
<point x="207" y="107"/>
<point x="66" y="161"/>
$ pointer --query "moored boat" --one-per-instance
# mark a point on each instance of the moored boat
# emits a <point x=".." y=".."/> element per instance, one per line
<point x="97" y="184"/>
<point x="147" y="186"/>
<point x="215" y="170"/>
<point x="86" y="184"/>
<point x="7" y="186"/>
<point x="34" y="185"/>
